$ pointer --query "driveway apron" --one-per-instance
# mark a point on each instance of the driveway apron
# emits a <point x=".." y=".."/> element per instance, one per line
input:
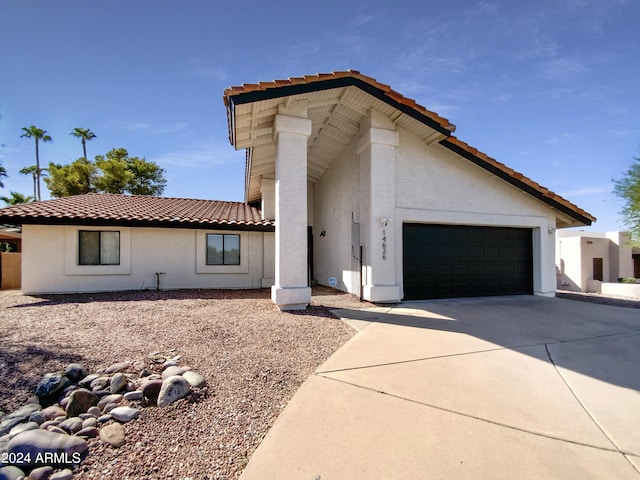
<point x="502" y="387"/>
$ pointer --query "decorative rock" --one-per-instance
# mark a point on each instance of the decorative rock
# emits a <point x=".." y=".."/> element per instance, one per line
<point x="52" y="412"/>
<point x="118" y="382"/>
<point x="89" y="422"/>
<point x="104" y="418"/>
<point x="42" y="473"/>
<point x="100" y="383"/>
<point x="56" y="429"/>
<point x="23" y="427"/>
<point x="37" y="417"/>
<point x="173" y="388"/>
<point x="49" y="423"/>
<point x="108" y="407"/>
<point x="86" y="381"/>
<point x="71" y="425"/>
<point x="135" y="395"/>
<point x="113" y="434"/>
<point x="80" y="401"/>
<point x="172" y="371"/>
<point x="138" y="365"/>
<point x="114" y="398"/>
<point x="88" y="432"/>
<point x="117" y="367"/>
<point x="194" y="378"/>
<point x="49" y="448"/>
<point x="65" y="474"/>
<point x="169" y="363"/>
<point x="151" y="390"/>
<point x="124" y="414"/>
<point x="95" y="411"/>
<point x="17" y="417"/>
<point x="50" y="384"/>
<point x="64" y="402"/>
<point x="10" y="472"/>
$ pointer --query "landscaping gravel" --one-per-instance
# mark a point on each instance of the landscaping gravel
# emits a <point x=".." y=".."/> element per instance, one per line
<point x="253" y="357"/>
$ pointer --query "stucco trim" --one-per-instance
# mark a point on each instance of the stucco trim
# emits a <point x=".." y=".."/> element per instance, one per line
<point x="201" y="254"/>
<point x="71" y="245"/>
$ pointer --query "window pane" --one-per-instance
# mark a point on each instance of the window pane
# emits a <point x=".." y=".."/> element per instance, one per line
<point x="214" y="249"/>
<point x="89" y="248"/>
<point x="232" y="249"/>
<point x="110" y="248"/>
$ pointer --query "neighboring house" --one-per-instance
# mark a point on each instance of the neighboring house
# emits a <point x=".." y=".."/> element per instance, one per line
<point x="102" y="242"/>
<point x="586" y="259"/>
<point x="368" y="191"/>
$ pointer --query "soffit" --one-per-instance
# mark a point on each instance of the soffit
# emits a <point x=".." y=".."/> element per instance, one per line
<point x="335" y="114"/>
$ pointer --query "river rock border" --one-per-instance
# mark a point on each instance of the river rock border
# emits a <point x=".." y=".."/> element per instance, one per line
<point x="46" y="439"/>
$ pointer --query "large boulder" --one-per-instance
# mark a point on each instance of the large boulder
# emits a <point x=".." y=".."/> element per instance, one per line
<point x="51" y="384"/>
<point x="43" y="448"/>
<point x="173" y="388"/>
<point x="19" y="416"/>
<point x="80" y="401"/>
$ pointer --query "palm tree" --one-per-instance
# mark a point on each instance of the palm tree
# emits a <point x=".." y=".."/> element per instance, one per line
<point x="16" y="198"/>
<point x="32" y="170"/>
<point x="84" y="134"/>
<point x="37" y="134"/>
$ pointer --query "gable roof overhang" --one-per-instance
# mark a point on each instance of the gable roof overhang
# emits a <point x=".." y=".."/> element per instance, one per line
<point x="336" y="103"/>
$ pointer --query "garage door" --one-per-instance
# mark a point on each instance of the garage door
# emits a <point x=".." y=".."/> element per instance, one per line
<point x="445" y="261"/>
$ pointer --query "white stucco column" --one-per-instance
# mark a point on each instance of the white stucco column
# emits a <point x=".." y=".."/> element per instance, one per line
<point x="377" y="151"/>
<point x="268" y="192"/>
<point x="291" y="291"/>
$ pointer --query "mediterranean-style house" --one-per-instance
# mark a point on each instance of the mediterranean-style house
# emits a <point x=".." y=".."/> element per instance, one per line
<point x="348" y="183"/>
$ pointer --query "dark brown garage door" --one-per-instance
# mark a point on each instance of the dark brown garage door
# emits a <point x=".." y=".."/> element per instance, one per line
<point x="446" y="261"/>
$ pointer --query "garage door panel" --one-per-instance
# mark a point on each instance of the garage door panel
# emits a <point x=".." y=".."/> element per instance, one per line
<point x="442" y="261"/>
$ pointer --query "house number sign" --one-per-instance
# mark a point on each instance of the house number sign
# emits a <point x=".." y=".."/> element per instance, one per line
<point x="384" y="244"/>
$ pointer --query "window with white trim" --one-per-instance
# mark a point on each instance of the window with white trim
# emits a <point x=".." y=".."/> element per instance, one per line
<point x="98" y="247"/>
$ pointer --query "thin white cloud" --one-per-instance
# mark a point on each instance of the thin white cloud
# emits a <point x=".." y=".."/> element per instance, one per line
<point x="202" y="68"/>
<point x="148" y="127"/>
<point x="561" y="139"/>
<point x="202" y="155"/>
<point x="562" y="69"/>
<point x="587" y="191"/>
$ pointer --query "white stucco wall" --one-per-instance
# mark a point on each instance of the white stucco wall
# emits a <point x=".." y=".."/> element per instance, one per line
<point x="49" y="261"/>
<point x="336" y="196"/>
<point x="434" y="186"/>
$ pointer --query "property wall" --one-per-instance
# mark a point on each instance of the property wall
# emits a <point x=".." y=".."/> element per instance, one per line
<point x="569" y="264"/>
<point x="434" y="185"/>
<point x="49" y="262"/>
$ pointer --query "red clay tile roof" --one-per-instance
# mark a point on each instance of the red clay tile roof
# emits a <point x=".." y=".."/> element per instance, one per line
<point x="385" y="90"/>
<point x="451" y="142"/>
<point x="138" y="210"/>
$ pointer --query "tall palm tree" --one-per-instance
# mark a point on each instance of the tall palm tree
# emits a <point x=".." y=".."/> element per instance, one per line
<point x="84" y="134"/>
<point x="37" y="134"/>
<point x="32" y="170"/>
<point x="17" y="198"/>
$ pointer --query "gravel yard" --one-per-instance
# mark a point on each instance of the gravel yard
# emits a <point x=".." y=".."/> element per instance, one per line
<point x="253" y="356"/>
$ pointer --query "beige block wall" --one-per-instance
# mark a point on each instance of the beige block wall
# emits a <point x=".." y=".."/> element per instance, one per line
<point x="50" y="261"/>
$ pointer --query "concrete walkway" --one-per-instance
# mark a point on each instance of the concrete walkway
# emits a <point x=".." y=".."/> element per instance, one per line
<point x="506" y="387"/>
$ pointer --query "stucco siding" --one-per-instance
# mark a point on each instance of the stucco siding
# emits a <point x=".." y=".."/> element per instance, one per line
<point x="435" y="186"/>
<point x="336" y="196"/>
<point x="50" y="261"/>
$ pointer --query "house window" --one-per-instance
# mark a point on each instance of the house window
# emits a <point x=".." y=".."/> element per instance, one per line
<point x="223" y="249"/>
<point x="99" y="247"/>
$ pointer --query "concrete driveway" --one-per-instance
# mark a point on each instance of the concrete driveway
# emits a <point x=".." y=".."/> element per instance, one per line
<point x="506" y="387"/>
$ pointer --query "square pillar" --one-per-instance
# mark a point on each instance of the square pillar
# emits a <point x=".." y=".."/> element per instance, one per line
<point x="377" y="151"/>
<point x="290" y="291"/>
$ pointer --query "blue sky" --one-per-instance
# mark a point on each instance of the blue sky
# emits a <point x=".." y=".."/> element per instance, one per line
<point x="549" y="88"/>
